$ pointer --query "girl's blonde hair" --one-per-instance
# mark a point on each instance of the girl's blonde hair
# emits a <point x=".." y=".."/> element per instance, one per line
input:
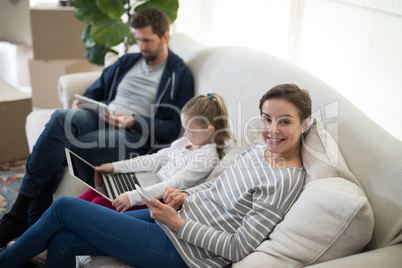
<point x="208" y="110"/>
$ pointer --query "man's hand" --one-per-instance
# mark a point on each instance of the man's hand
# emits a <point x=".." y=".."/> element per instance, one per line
<point x="122" y="203"/>
<point x="164" y="214"/>
<point x="119" y="120"/>
<point x="76" y="104"/>
<point x="174" y="198"/>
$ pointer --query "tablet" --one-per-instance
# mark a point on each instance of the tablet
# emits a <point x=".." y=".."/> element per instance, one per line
<point x="93" y="105"/>
<point x="147" y="196"/>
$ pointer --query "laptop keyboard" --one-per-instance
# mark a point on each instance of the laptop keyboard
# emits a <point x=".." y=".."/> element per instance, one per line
<point x="125" y="182"/>
<point x="121" y="182"/>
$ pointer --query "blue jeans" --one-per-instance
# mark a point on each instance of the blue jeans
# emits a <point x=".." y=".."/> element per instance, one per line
<point x="84" y="133"/>
<point x="72" y="226"/>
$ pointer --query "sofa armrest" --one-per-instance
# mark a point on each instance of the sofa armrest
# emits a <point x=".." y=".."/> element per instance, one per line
<point x="384" y="257"/>
<point x="75" y="83"/>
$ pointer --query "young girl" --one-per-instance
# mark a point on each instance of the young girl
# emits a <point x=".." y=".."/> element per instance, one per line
<point x="186" y="163"/>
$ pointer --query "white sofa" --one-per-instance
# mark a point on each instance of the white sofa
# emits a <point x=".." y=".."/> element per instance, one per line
<point x="373" y="157"/>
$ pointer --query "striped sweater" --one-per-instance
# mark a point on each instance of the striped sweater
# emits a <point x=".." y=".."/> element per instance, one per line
<point x="227" y="218"/>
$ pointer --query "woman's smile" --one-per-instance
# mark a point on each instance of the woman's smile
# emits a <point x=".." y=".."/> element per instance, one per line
<point x="275" y="141"/>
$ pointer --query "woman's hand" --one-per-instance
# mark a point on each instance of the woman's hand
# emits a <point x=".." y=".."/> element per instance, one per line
<point x="174" y="198"/>
<point x="164" y="214"/>
<point x="122" y="203"/>
<point x="119" y="120"/>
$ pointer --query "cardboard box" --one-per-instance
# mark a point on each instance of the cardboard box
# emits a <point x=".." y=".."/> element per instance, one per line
<point x="24" y="54"/>
<point x="45" y="74"/>
<point x="14" y="108"/>
<point x="56" y="33"/>
<point x="15" y="25"/>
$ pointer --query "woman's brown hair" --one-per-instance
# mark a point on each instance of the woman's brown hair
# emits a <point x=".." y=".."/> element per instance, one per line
<point x="293" y="94"/>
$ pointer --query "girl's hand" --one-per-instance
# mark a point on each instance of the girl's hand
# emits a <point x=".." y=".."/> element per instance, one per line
<point x="98" y="179"/>
<point x="164" y="214"/>
<point x="105" y="168"/>
<point x="122" y="203"/>
<point x="174" y="198"/>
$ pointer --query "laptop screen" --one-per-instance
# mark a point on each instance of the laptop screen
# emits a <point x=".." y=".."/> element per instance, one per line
<point x="82" y="170"/>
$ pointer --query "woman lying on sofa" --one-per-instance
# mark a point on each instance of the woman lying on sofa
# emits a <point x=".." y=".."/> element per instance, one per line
<point x="216" y="223"/>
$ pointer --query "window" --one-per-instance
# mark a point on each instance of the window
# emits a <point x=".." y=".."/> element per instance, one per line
<point x="352" y="45"/>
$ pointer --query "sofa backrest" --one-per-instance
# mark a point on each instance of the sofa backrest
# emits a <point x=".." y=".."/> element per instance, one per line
<point x="242" y="75"/>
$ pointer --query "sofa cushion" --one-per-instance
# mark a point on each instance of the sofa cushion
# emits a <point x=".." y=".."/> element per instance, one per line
<point x="35" y="124"/>
<point x="332" y="218"/>
<point x="321" y="155"/>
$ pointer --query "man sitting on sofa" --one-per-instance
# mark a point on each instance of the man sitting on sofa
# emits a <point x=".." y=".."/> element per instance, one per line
<point x="146" y="92"/>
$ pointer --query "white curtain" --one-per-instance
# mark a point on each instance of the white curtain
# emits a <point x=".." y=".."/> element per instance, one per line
<point x="356" y="47"/>
<point x="353" y="45"/>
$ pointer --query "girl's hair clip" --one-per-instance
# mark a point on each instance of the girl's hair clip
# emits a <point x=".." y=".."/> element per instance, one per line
<point x="209" y="95"/>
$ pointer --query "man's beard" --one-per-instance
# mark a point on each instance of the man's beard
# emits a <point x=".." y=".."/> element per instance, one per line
<point x="153" y="55"/>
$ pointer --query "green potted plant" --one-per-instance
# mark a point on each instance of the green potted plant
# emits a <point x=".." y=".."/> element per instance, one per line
<point x="109" y="23"/>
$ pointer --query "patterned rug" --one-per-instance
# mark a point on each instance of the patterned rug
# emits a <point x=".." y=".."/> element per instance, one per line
<point x="11" y="174"/>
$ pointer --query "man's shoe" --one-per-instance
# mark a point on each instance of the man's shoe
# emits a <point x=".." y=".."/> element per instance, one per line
<point x="12" y="225"/>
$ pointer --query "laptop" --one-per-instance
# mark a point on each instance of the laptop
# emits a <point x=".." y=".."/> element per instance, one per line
<point x="93" y="105"/>
<point x="115" y="184"/>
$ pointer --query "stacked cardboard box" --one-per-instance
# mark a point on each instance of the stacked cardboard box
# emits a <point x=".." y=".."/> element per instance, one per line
<point x="14" y="108"/>
<point x="57" y="50"/>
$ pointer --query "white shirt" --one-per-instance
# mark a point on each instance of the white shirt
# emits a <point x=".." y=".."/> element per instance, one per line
<point x="179" y="168"/>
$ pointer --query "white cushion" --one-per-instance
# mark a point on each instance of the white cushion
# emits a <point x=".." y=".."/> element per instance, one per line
<point x="106" y="262"/>
<point x="35" y="124"/>
<point x="321" y="155"/>
<point x="332" y="218"/>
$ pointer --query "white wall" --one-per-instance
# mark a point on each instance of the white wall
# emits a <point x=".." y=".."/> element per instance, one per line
<point x="353" y="45"/>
